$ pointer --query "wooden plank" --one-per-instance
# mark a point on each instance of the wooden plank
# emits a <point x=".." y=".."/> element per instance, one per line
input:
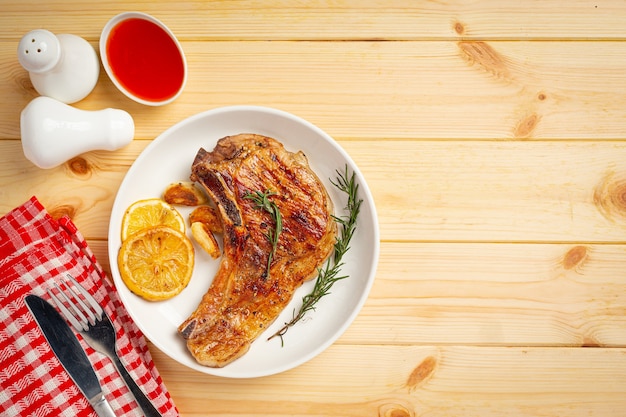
<point x="496" y="191"/>
<point x="348" y="19"/>
<point x="395" y="90"/>
<point x="425" y="191"/>
<point x="494" y="294"/>
<point x="473" y="294"/>
<point x="416" y="381"/>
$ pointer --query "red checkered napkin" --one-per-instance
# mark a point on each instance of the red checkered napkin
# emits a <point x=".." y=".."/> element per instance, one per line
<point x="36" y="250"/>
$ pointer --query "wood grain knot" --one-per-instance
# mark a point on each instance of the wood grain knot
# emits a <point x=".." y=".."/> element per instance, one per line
<point x="25" y="84"/>
<point x="609" y="196"/>
<point x="526" y="126"/>
<point x="574" y="257"/>
<point x="79" y="166"/>
<point x="62" y="210"/>
<point x="394" y="410"/>
<point x="459" y="28"/>
<point x="590" y="341"/>
<point x="421" y="373"/>
<point x="481" y="53"/>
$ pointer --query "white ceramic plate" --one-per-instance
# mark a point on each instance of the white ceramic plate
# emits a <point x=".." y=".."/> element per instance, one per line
<point x="168" y="159"/>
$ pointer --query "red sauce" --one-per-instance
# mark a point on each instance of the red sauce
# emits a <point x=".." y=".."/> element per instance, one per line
<point x="145" y="60"/>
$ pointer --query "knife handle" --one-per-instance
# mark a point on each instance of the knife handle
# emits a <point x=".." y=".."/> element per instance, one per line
<point x="102" y="406"/>
<point x="148" y="409"/>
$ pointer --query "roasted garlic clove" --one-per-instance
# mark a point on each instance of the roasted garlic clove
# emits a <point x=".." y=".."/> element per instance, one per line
<point x="184" y="193"/>
<point x="209" y="216"/>
<point x="205" y="239"/>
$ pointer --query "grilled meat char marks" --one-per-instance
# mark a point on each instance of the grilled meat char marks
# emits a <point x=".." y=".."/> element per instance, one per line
<point x="243" y="300"/>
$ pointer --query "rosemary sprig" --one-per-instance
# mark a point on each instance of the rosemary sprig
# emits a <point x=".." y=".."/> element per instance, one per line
<point x="329" y="273"/>
<point x="262" y="202"/>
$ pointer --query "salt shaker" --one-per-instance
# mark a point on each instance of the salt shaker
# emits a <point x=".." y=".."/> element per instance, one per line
<point x="64" y="67"/>
<point x="54" y="132"/>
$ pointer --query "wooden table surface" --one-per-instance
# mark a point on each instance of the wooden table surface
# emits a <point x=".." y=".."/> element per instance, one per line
<point x="493" y="137"/>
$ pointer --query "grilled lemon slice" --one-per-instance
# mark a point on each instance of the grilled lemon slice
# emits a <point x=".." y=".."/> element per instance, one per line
<point x="151" y="212"/>
<point x="156" y="263"/>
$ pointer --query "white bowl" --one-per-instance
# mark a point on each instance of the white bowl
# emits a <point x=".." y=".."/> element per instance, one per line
<point x="133" y="46"/>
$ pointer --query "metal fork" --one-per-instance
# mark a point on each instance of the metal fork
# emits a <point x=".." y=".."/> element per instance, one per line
<point x="89" y="319"/>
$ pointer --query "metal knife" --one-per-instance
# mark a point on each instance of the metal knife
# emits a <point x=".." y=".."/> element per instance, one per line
<point x="70" y="353"/>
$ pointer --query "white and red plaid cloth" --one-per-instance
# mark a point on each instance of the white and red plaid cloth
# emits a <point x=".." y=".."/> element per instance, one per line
<point x="35" y="251"/>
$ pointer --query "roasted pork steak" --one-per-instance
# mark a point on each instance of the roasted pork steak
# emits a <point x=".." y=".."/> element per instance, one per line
<point x="246" y="296"/>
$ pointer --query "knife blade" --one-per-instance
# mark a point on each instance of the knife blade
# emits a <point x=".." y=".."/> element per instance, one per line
<point x="70" y="353"/>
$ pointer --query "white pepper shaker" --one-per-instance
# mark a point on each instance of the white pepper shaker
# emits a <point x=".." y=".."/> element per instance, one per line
<point x="64" y="67"/>
<point x="54" y="132"/>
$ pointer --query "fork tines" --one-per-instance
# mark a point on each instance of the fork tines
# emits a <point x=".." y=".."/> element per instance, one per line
<point x="80" y="312"/>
